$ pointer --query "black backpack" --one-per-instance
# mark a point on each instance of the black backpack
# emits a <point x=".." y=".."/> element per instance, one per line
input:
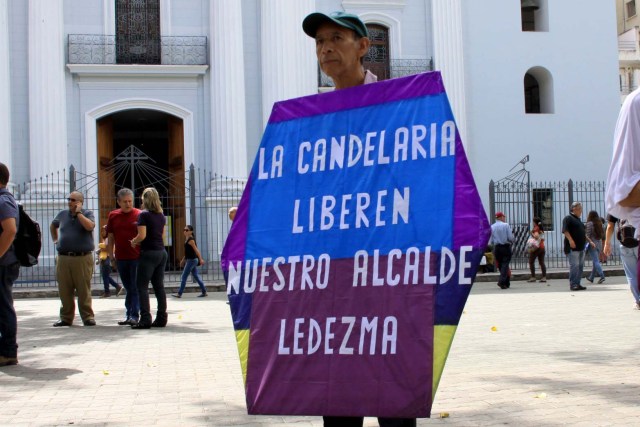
<point x="28" y="240"/>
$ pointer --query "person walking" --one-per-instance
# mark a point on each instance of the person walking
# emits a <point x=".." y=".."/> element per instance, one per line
<point x="574" y="245"/>
<point x="594" y="232"/>
<point x="190" y="261"/>
<point x="105" y="266"/>
<point x="628" y="255"/>
<point x="153" y="258"/>
<point x="501" y="239"/>
<point x="9" y="271"/>
<point x="539" y="252"/>
<point x="74" y="267"/>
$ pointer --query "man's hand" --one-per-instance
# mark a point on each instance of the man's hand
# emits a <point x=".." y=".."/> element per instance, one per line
<point x="78" y="207"/>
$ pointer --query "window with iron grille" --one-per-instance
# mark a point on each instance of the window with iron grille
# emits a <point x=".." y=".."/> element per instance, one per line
<point x="543" y="206"/>
<point x="377" y="58"/>
<point x="138" y="31"/>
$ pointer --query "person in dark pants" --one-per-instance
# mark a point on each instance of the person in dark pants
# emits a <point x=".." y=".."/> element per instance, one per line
<point x="9" y="270"/>
<point x="502" y="238"/>
<point x="539" y="253"/>
<point x="105" y="266"/>
<point x="342" y="40"/>
<point x="153" y="258"/>
<point x="575" y="239"/>
<point x="122" y="226"/>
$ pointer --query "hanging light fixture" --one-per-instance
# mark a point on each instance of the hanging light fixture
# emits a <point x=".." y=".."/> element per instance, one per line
<point x="528" y="5"/>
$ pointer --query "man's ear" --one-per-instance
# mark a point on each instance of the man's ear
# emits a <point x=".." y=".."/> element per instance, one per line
<point x="364" y="46"/>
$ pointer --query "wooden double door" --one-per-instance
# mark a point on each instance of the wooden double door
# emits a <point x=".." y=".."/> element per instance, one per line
<point x="162" y="169"/>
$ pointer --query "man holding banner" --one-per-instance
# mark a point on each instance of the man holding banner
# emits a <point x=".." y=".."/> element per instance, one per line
<point x="355" y="244"/>
<point x="342" y="40"/>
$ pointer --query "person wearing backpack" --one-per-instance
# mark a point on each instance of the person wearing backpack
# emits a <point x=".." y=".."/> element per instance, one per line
<point x="9" y="270"/>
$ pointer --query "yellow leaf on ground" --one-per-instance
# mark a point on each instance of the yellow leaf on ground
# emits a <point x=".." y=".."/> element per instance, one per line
<point x="541" y="396"/>
<point x="494" y="329"/>
<point x="105" y="372"/>
<point x="444" y="415"/>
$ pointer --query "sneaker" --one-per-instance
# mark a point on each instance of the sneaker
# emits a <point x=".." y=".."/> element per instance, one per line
<point x="176" y="295"/>
<point x="531" y="279"/>
<point x="126" y="322"/>
<point x="578" y="288"/>
<point x="543" y="279"/>
<point x="7" y="361"/>
<point x="105" y="295"/>
<point x="589" y="279"/>
<point x="204" y="294"/>
<point x="120" y="290"/>
<point x="601" y="280"/>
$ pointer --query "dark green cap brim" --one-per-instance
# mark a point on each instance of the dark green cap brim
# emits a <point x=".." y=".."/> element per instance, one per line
<point x="313" y="21"/>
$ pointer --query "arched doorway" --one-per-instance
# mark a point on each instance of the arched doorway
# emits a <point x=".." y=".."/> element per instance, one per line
<point x="139" y="148"/>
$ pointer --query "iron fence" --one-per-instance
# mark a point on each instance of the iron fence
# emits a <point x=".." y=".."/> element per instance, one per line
<point x="196" y="197"/>
<point x="165" y="50"/>
<point x="522" y="200"/>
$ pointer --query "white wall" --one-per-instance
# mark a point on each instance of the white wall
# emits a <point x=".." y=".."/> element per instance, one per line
<point x="580" y="52"/>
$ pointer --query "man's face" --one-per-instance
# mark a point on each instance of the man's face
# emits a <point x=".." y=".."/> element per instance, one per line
<point x="577" y="211"/>
<point x="74" y="200"/>
<point x="338" y="50"/>
<point x="126" y="203"/>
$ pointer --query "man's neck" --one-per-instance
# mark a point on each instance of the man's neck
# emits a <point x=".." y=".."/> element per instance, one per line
<point x="356" y="79"/>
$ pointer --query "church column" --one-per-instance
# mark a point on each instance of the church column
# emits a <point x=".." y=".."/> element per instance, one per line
<point x="449" y="56"/>
<point x="228" y="117"/>
<point x="5" y="98"/>
<point x="289" y="66"/>
<point x="47" y="90"/>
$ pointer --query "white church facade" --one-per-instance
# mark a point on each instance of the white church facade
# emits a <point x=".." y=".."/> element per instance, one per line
<point x="97" y="84"/>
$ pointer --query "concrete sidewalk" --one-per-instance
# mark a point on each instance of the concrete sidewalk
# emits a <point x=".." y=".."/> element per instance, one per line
<point x="555" y="358"/>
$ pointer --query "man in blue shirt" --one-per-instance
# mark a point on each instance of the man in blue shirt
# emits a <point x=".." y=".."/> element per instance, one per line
<point x="9" y="269"/>
<point x="501" y="239"/>
<point x="74" y="268"/>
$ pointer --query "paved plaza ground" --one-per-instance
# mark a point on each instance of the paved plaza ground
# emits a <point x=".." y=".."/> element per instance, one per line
<point x="533" y="355"/>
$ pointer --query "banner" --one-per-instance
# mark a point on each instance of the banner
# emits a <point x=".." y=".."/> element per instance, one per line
<point x="353" y="251"/>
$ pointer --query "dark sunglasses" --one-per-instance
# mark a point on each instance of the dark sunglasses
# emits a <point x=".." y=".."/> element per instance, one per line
<point x="186" y="229"/>
<point x="71" y="199"/>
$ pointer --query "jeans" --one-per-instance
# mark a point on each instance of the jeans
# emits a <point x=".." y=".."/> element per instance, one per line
<point x="151" y="268"/>
<point x="127" y="269"/>
<point x="595" y="256"/>
<point x="630" y="263"/>
<point x="576" y="266"/>
<point x="105" y="272"/>
<point x="191" y="266"/>
<point x="8" y="318"/>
